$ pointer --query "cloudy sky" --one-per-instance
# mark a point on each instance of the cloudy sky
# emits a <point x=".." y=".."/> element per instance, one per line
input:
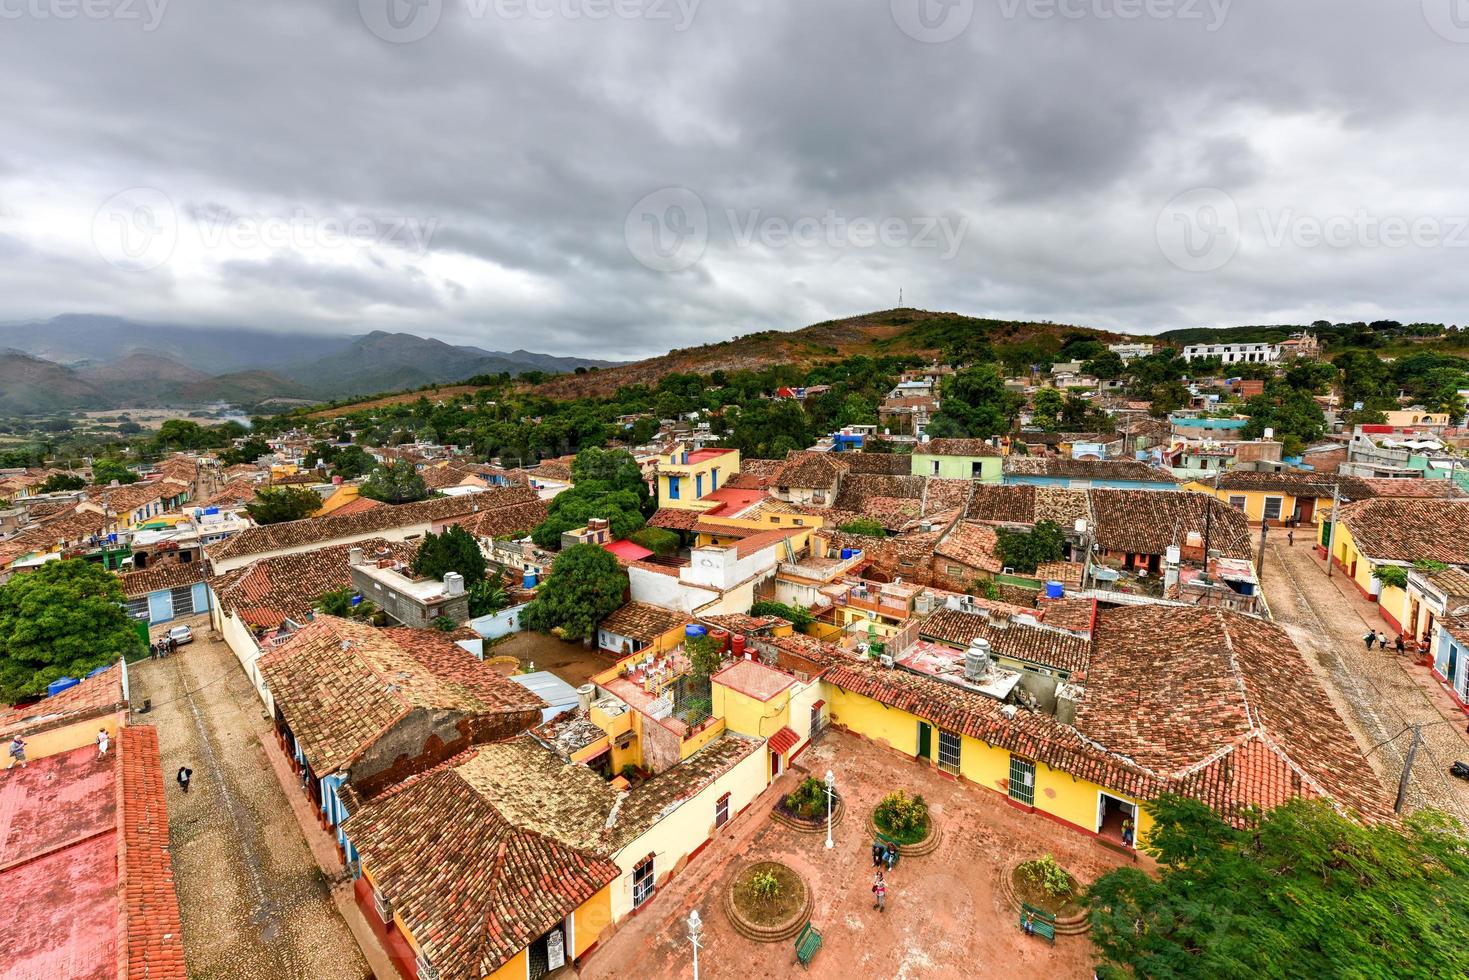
<point x="617" y="177"/>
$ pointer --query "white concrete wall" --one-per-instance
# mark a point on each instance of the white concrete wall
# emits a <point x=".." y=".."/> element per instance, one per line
<point x="666" y="592"/>
<point x="723" y="569"/>
<point x="242" y="642"/>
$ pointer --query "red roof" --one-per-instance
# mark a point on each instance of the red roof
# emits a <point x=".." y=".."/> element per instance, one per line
<point x="733" y="498"/>
<point x="628" y="551"/>
<point x="153" y="935"/>
<point x="783" y="741"/>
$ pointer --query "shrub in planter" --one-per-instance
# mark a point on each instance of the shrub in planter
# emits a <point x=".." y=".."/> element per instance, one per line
<point x="765" y="885"/>
<point x="902" y="816"/>
<point x="1047" y="875"/>
<point x="808" y="799"/>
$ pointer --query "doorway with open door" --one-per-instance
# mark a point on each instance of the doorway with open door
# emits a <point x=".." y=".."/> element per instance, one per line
<point x="1116" y="820"/>
<point x="548" y="954"/>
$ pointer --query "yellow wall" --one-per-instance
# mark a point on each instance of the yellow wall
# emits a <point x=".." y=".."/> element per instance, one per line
<point x="69" y="737"/>
<point x="750" y="716"/>
<point x="514" y="968"/>
<point x="1255" y="501"/>
<point x="588" y="921"/>
<point x="693" y="744"/>
<point x="728" y="464"/>
<point x="340" y="497"/>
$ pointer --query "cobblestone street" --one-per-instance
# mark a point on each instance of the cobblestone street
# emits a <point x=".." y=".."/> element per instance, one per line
<point x="1379" y="694"/>
<point x="253" y="901"/>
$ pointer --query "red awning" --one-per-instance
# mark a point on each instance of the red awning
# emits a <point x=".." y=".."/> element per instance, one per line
<point x="783" y="741"/>
<point x="818" y="705"/>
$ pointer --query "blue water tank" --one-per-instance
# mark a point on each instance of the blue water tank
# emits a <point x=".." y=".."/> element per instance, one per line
<point x="211" y="510"/>
<point x="529" y="580"/>
<point x="693" y="629"/>
<point x="846" y="553"/>
<point x="60" y="684"/>
<point x="97" y="670"/>
<point x="1055" y="590"/>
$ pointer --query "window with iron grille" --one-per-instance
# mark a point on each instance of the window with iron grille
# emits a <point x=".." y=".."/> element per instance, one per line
<point x="1022" y="780"/>
<point x="949" y="749"/>
<point x="1272" y="508"/>
<point x="721" y="811"/>
<point x="642" y="881"/>
<point x="183" y="600"/>
<point x="138" y="607"/>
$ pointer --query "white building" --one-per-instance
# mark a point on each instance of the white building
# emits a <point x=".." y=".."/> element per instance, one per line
<point x="1129" y="351"/>
<point x="1234" y="353"/>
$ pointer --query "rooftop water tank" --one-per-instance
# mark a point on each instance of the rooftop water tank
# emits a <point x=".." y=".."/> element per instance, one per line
<point x="1055" y="590"/>
<point x="529" y="579"/>
<point x="694" y="629"/>
<point x="60" y="684"/>
<point x="846" y="553"/>
<point x="976" y="659"/>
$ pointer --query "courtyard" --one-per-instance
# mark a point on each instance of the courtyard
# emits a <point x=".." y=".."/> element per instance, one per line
<point x="946" y="915"/>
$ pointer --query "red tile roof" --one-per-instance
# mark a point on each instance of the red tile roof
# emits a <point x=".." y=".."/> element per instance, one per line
<point x="640" y="621"/>
<point x="753" y="679"/>
<point x="783" y="741"/>
<point x="956" y="447"/>
<point x="1410" y="529"/>
<point x="268" y="591"/>
<point x="152" y="932"/>
<point x="1047" y="647"/>
<point x="170" y="575"/>
<point x="94" y="697"/>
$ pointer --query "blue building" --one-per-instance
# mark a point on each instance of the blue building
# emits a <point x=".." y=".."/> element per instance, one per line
<point x="166" y="592"/>
<point x="1451" y="658"/>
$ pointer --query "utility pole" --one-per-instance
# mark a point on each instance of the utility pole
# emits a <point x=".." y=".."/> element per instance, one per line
<point x="1260" y="561"/>
<point x="1408" y="769"/>
<point x="1331" y="535"/>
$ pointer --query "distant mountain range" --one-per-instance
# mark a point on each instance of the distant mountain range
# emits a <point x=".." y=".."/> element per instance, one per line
<point x="78" y="362"/>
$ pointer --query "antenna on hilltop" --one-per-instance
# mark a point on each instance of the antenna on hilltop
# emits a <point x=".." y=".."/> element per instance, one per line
<point x="900" y="296"/>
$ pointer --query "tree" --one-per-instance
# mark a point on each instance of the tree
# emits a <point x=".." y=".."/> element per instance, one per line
<point x="1025" y="551"/>
<point x="571" y="509"/>
<point x="246" y="452"/>
<point x="1305" y="892"/>
<point x="705" y="654"/>
<point x="1046" y="410"/>
<point x="350" y="462"/>
<point x="275" y="505"/>
<point x="793" y="614"/>
<point x="64" y="619"/>
<point x="586" y="586"/>
<point x="656" y="539"/>
<point x="455" y="550"/>
<point x="59" y="482"/>
<point x="864" y="526"/>
<point x="1106" y="365"/>
<point x="105" y="471"/>
<point x="338" y="602"/>
<point x="396" y="482"/>
<point x="975" y="405"/>
<point x="488" y="596"/>
<point x="1167" y="397"/>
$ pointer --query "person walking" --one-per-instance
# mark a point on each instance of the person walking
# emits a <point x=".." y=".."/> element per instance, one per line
<point x="17" y="752"/>
<point x="185" y="774"/>
<point x="1290" y="538"/>
<point x="152" y="651"/>
<point x="102" y="739"/>
<point x="1382" y="640"/>
<point x="879" y="892"/>
<point x="1400" y="645"/>
<point x="1371" y="638"/>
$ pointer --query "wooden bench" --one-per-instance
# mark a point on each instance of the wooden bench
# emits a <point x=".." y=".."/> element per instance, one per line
<point x="893" y="846"/>
<point x="807" y="943"/>
<point x="1041" y="923"/>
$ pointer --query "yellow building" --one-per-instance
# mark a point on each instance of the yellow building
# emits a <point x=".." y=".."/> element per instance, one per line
<point x="1396" y="531"/>
<point x="1275" y="498"/>
<point x="1406" y="418"/>
<point x="71" y="719"/>
<point x="341" y="496"/>
<point x="685" y="475"/>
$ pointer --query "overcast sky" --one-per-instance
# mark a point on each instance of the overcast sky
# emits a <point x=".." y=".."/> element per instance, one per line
<point x="617" y="177"/>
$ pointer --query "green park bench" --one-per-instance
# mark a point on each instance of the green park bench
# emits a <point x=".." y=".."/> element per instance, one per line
<point x="1042" y="923"/>
<point x="807" y="943"/>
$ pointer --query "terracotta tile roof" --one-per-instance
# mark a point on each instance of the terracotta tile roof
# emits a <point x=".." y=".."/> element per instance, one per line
<point x="511" y="518"/>
<point x="1224" y="703"/>
<point x="156" y="577"/>
<point x="1087" y="469"/>
<point x="357" y="506"/>
<point x="92" y="698"/>
<point x="886" y="464"/>
<point x="674" y="519"/>
<point x="1410" y="529"/>
<point x="811" y="471"/>
<point x="1361" y="488"/>
<point x="69" y="527"/>
<point x="1452" y="581"/>
<point x="783" y="741"/>
<point x="649" y="801"/>
<point x="436" y="477"/>
<point x="342" y="685"/>
<point x="1002" y="504"/>
<point x="553" y="469"/>
<point x="765" y="539"/>
<point x="956" y="447"/>
<point x="858" y="488"/>
<point x="1065" y="572"/>
<point x="971" y="543"/>
<point x="240" y="490"/>
<point x="1077" y="615"/>
<point x="743" y="623"/>
<point x="755" y="474"/>
<point x="152" y="934"/>
<point x="123" y="499"/>
<point x="1295" y="484"/>
<point x="475" y="879"/>
<point x="640" y="621"/>
<point x="1054" y="648"/>
<point x="268" y="591"/>
<point x="940" y="494"/>
<point x="319" y="530"/>
<point x="1148" y="521"/>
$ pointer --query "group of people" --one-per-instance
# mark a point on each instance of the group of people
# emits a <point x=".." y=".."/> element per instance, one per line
<point x="1380" y="638"/>
<point x="884" y="857"/>
<point x="18" y="748"/>
<point x="163" y="647"/>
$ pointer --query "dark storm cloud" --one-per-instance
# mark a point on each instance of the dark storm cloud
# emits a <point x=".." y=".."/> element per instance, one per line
<point x="1054" y="133"/>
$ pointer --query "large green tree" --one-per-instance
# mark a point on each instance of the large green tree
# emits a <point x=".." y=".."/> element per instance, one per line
<point x="57" y="482"/>
<point x="586" y="585"/>
<point x="455" y="550"/>
<point x="105" y="471"/>
<point x="64" y="619"/>
<point x="975" y="404"/>
<point x="273" y="505"/>
<point x="1306" y="892"/>
<point x="396" y="482"/>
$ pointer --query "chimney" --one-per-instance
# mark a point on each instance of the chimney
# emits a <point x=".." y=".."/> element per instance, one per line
<point x="354" y="556"/>
<point x="453" y="584"/>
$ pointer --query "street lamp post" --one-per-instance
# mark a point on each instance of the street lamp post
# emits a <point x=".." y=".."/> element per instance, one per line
<point x="830" y="794"/>
<point x="696" y="933"/>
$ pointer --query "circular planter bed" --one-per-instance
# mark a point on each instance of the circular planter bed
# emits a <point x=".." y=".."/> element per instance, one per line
<point x="1017" y="888"/>
<point x="768" y="920"/>
<point x="783" y="814"/>
<point x="926" y="845"/>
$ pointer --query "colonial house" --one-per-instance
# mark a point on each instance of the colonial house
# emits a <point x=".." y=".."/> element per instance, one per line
<point x="1397" y="531"/>
<point x="958" y="459"/>
<point x="1061" y="471"/>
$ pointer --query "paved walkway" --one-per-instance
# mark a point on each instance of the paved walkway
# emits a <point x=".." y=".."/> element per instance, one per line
<point x="1379" y="694"/>
<point x="945" y="916"/>
<point x="254" y="903"/>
